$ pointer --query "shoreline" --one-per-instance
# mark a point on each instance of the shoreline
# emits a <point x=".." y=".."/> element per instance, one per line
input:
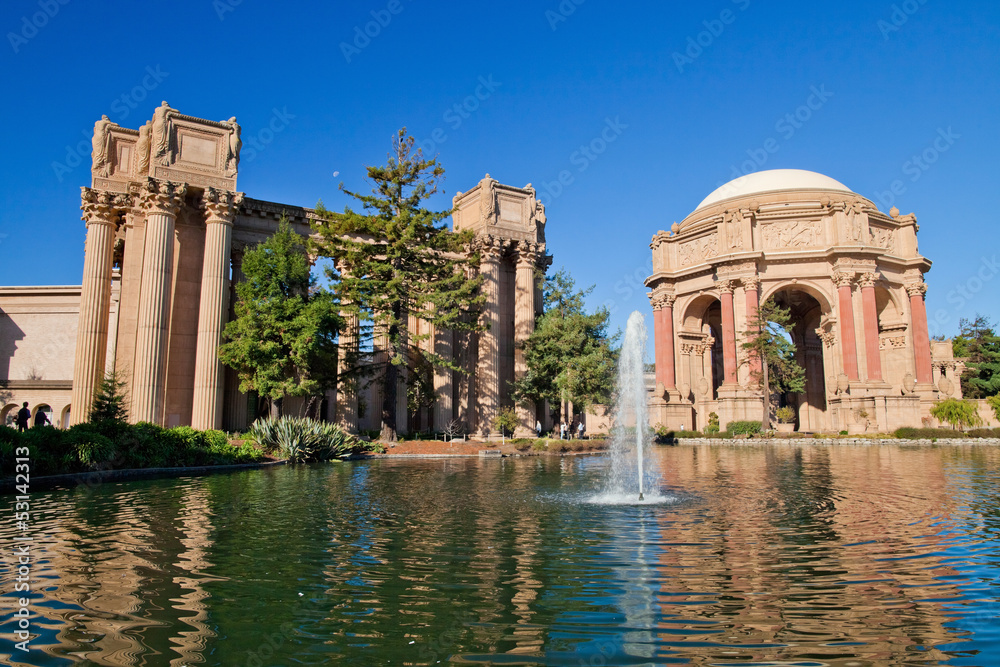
<point x="72" y="480"/>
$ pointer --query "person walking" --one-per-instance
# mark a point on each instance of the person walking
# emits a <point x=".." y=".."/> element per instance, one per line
<point x="23" y="417"/>
<point x="579" y="430"/>
<point x="538" y="429"/>
<point x="41" y="419"/>
<point x="562" y="430"/>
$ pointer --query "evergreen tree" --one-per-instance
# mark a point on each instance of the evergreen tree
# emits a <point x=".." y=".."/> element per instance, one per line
<point x="569" y="356"/>
<point x="979" y="343"/>
<point x="110" y="403"/>
<point x="282" y="342"/>
<point x="767" y="341"/>
<point x="397" y="259"/>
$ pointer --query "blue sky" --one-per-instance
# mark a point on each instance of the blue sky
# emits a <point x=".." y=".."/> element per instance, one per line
<point x="904" y="93"/>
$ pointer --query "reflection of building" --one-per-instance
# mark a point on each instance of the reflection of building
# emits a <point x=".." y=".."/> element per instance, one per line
<point x="166" y="232"/>
<point x="852" y="277"/>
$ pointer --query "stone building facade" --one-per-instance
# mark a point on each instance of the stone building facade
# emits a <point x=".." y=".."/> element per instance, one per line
<point x="852" y="277"/>
<point x="166" y="232"/>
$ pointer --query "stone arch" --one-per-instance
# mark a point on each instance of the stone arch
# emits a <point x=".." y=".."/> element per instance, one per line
<point x="42" y="407"/>
<point x="64" y="416"/>
<point x="825" y="300"/>
<point x="9" y="412"/>
<point x="807" y="311"/>
<point x="693" y="311"/>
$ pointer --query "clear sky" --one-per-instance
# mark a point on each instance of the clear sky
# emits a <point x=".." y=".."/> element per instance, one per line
<point x="683" y="97"/>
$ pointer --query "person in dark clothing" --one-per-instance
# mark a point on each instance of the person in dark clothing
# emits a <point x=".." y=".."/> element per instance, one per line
<point x="23" y="416"/>
<point x="41" y="419"/>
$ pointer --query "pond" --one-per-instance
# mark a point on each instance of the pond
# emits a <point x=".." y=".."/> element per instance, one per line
<point x="814" y="555"/>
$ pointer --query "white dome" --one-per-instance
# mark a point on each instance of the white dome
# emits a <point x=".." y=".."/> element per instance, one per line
<point x="773" y="180"/>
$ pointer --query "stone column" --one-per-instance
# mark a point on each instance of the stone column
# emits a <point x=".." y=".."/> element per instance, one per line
<point x="751" y="287"/>
<point x="237" y="418"/>
<point x="95" y="301"/>
<point x="488" y="371"/>
<point x="921" y="337"/>
<point x="443" y="403"/>
<point x="524" y="325"/>
<point x="161" y="200"/>
<point x="872" y="354"/>
<point x="849" y="347"/>
<point x="726" y="288"/>
<point x="347" y="359"/>
<point x="663" y="340"/>
<point x="220" y="209"/>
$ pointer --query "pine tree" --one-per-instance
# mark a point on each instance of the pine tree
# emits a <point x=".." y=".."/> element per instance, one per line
<point x="397" y="259"/>
<point x="282" y="342"/>
<point x="110" y="402"/>
<point x="767" y="340"/>
<point x="978" y="343"/>
<point x="569" y="355"/>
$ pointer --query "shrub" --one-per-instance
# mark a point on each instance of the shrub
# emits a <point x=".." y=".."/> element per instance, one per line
<point x="713" y="424"/>
<point x="540" y="445"/>
<point x="984" y="433"/>
<point x="843" y="433"/>
<point x="910" y="433"/>
<point x="744" y="427"/>
<point x="786" y="414"/>
<point x="303" y="439"/>
<point x="958" y="413"/>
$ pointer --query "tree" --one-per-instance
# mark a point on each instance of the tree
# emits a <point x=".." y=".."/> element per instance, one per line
<point x="767" y="342"/>
<point x="397" y="260"/>
<point x="283" y="340"/>
<point x="980" y="345"/>
<point x="110" y="403"/>
<point x="994" y="402"/>
<point x="569" y="356"/>
<point x="958" y="413"/>
<point x="505" y="421"/>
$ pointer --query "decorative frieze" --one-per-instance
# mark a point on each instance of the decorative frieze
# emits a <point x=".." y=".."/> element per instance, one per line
<point x="791" y="234"/>
<point x="698" y="250"/>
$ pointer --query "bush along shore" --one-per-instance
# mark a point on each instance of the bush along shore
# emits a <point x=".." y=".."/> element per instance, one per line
<point x="751" y="430"/>
<point x="116" y="445"/>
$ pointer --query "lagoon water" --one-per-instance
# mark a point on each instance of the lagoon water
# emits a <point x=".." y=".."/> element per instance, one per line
<point x="759" y="555"/>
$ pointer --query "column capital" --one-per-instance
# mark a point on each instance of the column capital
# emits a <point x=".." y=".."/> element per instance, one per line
<point x="221" y="205"/>
<point x="868" y="279"/>
<point x="726" y="286"/>
<point x="828" y="337"/>
<point x="98" y="206"/>
<point x="916" y="289"/>
<point x="164" y="197"/>
<point x="491" y="247"/>
<point x="750" y="283"/>
<point x="661" y="300"/>
<point x="527" y="254"/>
<point x="843" y="278"/>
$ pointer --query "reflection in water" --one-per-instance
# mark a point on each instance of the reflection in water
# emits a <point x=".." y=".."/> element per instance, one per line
<point x="769" y="555"/>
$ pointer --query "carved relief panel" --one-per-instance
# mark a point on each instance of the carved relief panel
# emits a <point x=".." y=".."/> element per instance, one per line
<point x="791" y="234"/>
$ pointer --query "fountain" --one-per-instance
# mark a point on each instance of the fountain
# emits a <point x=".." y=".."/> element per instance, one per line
<point x="630" y="471"/>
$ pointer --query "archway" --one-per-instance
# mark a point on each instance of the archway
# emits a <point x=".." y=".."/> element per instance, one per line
<point x="9" y="414"/>
<point x="42" y="407"/>
<point x="807" y="315"/>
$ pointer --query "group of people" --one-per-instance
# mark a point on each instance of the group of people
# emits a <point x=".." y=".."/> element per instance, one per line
<point x="24" y="417"/>
<point x="565" y="431"/>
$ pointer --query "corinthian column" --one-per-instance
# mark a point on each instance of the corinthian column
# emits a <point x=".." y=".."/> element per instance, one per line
<point x="347" y="359"/>
<point x="870" y="309"/>
<point x="726" y="288"/>
<point x="751" y="287"/>
<point x="236" y="417"/>
<point x="524" y="325"/>
<point x="220" y="209"/>
<point x="161" y="201"/>
<point x="95" y="301"/>
<point x="846" y="307"/>
<point x="663" y="341"/>
<point x="488" y="372"/>
<point x="921" y="337"/>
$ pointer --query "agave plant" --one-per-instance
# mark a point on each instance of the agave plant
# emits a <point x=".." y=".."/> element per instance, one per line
<point x="303" y="439"/>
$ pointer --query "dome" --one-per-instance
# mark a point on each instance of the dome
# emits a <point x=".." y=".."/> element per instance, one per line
<point x="773" y="180"/>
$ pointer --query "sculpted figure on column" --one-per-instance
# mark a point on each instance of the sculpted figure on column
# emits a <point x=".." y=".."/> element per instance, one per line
<point x="235" y="144"/>
<point x="102" y="147"/>
<point x="142" y="149"/>
<point x="161" y="133"/>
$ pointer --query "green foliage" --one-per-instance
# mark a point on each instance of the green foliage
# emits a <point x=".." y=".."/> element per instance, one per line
<point x="842" y="432"/>
<point x="110" y="403"/>
<point x="397" y="259"/>
<point x="958" y="413"/>
<point x="505" y="420"/>
<point x="713" y="424"/>
<point x="744" y="427"/>
<point x="569" y="355"/>
<point x="979" y="344"/>
<point x="984" y="433"/>
<point x="767" y="339"/>
<point x="994" y="403"/>
<point x="88" y="447"/>
<point x="282" y="342"/>
<point x="785" y="415"/>
<point x="540" y="445"/>
<point x="302" y="439"/>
